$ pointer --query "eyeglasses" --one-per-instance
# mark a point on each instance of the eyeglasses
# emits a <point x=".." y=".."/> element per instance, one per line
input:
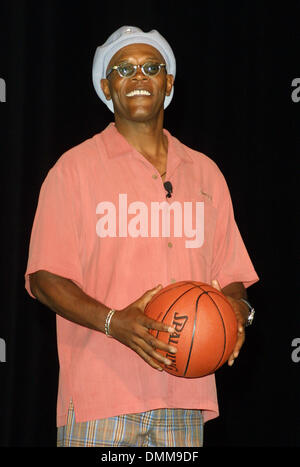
<point x="128" y="70"/>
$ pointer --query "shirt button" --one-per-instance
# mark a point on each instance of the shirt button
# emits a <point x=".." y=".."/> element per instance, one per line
<point x="154" y="176"/>
<point x="170" y="244"/>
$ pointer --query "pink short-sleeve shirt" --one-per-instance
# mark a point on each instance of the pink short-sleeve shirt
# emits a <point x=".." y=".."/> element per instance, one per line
<point x="103" y="221"/>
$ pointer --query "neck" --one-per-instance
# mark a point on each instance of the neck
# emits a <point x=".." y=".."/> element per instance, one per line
<point x="146" y="137"/>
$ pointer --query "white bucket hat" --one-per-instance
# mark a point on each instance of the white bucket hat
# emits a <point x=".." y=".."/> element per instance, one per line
<point x="123" y="36"/>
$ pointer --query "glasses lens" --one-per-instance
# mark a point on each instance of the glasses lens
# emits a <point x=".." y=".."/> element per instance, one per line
<point x="151" y="69"/>
<point x="126" y="69"/>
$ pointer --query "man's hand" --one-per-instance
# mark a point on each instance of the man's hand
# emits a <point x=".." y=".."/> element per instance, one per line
<point x="241" y="312"/>
<point x="130" y="326"/>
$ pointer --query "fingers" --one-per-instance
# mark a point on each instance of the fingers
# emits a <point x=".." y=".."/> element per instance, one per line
<point x="240" y="323"/>
<point x="146" y="357"/>
<point x="240" y="329"/>
<point x="216" y="285"/>
<point x="147" y="350"/>
<point x="151" y="344"/>
<point x="240" y="341"/>
<point x="157" y="325"/>
<point x="147" y="347"/>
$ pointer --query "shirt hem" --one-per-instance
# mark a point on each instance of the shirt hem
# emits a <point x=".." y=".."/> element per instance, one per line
<point x="209" y="409"/>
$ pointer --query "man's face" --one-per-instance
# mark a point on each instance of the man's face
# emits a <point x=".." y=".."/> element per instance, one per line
<point x="127" y="104"/>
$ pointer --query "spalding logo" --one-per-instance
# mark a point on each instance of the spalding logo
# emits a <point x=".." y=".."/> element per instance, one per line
<point x="178" y="324"/>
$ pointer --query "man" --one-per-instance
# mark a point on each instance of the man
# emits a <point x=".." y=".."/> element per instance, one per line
<point x="97" y="256"/>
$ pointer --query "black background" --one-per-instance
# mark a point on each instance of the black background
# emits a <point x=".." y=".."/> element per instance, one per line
<point x="235" y="65"/>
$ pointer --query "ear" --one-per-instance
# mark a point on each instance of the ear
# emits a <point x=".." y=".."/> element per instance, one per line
<point x="170" y="82"/>
<point x="105" y="88"/>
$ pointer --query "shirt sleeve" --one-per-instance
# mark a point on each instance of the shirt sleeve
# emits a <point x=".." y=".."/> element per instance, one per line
<point x="55" y="237"/>
<point x="231" y="261"/>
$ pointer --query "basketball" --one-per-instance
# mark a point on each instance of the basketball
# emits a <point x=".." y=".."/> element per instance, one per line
<point x="205" y="327"/>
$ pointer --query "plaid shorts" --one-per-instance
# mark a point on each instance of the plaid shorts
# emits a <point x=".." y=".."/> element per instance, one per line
<point x="161" y="427"/>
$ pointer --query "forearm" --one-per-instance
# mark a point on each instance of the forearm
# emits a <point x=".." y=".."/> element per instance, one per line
<point x="68" y="300"/>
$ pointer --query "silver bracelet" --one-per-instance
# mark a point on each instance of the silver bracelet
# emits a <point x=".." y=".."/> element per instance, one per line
<point x="251" y="312"/>
<point x="107" y="321"/>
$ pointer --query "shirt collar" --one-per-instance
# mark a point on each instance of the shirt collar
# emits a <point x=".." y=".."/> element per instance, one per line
<point x="116" y="145"/>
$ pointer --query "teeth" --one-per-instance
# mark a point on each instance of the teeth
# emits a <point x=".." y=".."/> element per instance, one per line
<point x="138" y="92"/>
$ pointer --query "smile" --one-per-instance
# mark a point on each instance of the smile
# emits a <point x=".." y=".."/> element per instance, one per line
<point x="138" y="92"/>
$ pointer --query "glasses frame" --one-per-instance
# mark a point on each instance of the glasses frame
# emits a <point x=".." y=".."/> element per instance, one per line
<point x="117" y="67"/>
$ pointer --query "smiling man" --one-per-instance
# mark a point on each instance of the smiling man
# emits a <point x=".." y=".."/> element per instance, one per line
<point x="97" y="254"/>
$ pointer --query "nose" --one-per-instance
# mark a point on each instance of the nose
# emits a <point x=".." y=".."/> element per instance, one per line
<point x="139" y="75"/>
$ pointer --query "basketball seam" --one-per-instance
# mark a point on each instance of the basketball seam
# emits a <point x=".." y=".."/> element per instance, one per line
<point x="195" y="285"/>
<point x="162" y="292"/>
<point x="193" y="335"/>
<point x="224" y="329"/>
<point x="205" y="292"/>
<point x="166" y="313"/>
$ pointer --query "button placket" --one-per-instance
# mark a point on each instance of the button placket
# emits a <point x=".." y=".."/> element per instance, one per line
<point x="156" y="176"/>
